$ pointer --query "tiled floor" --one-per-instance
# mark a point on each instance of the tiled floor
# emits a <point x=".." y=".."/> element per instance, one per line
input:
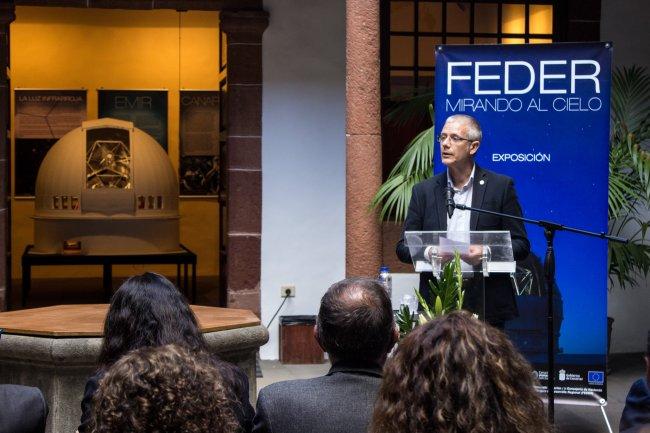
<point x="569" y="418"/>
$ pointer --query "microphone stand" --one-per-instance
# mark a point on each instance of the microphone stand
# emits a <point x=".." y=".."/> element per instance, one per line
<point x="549" y="270"/>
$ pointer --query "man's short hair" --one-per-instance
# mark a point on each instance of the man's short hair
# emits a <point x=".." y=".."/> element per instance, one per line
<point x="355" y="321"/>
<point x="474" y="131"/>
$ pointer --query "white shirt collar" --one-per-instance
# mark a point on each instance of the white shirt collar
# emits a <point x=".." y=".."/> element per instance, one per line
<point x="467" y="185"/>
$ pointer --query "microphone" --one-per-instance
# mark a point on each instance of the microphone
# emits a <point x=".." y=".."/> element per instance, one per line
<point x="450" y="201"/>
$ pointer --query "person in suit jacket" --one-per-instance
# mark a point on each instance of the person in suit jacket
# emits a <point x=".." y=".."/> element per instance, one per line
<point x="355" y="327"/>
<point x="22" y="409"/>
<point x="473" y="186"/>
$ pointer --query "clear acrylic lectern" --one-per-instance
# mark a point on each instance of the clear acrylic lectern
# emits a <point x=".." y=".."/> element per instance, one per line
<point x="482" y="253"/>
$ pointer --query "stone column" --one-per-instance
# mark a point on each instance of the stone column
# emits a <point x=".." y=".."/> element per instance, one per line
<point x="7" y="15"/>
<point x="244" y="149"/>
<point x="363" y="136"/>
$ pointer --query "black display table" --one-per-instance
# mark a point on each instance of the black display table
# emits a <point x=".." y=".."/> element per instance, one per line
<point x="184" y="257"/>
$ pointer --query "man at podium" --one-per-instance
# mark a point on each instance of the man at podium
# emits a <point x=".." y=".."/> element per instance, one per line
<point x="472" y="186"/>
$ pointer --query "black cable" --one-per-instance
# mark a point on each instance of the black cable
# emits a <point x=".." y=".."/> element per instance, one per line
<point x="277" y="311"/>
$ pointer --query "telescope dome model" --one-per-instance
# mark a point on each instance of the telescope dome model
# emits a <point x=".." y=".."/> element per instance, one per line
<point x="109" y="186"/>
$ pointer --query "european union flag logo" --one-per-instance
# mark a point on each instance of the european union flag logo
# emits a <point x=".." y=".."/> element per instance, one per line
<point x="596" y="377"/>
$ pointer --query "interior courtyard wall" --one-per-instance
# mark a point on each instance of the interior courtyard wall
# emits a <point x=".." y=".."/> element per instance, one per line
<point x="625" y="22"/>
<point x="303" y="156"/>
<point x="71" y="48"/>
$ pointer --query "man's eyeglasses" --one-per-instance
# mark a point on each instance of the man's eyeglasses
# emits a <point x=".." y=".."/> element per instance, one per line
<point x="453" y="137"/>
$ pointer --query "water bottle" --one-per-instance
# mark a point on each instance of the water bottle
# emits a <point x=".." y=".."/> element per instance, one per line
<point x="386" y="279"/>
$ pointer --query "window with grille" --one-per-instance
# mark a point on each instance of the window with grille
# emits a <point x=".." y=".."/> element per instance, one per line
<point x="412" y="28"/>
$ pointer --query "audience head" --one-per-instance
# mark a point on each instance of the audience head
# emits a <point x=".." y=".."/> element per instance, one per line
<point x="165" y="389"/>
<point x="355" y="322"/>
<point x="148" y="310"/>
<point x="457" y="374"/>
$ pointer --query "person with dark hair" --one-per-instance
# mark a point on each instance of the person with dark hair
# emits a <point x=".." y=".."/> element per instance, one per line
<point x="22" y="409"/>
<point x="636" y="413"/>
<point x="469" y="185"/>
<point x="148" y="311"/>
<point x="163" y="389"/>
<point x="457" y="374"/>
<point x="355" y="327"/>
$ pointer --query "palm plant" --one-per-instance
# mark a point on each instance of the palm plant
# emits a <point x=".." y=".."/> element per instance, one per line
<point x="629" y="174"/>
<point x="448" y="294"/>
<point x="629" y="171"/>
<point x="393" y="197"/>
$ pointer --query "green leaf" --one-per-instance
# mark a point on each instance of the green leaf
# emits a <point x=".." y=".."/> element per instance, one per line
<point x="630" y="101"/>
<point x="408" y="109"/>
<point x="404" y="320"/>
<point x="438" y="307"/>
<point x="416" y="164"/>
<point x="457" y="271"/>
<point x="423" y="302"/>
<point x="628" y="261"/>
<point x="460" y="293"/>
<point x="629" y="175"/>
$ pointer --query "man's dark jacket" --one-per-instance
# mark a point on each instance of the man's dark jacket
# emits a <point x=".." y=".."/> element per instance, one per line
<point x="22" y="409"/>
<point x="340" y="402"/>
<point x="491" y="191"/>
<point x="636" y="413"/>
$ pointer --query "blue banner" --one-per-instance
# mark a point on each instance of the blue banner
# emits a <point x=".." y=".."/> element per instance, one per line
<point x="544" y="111"/>
<point x="147" y="109"/>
